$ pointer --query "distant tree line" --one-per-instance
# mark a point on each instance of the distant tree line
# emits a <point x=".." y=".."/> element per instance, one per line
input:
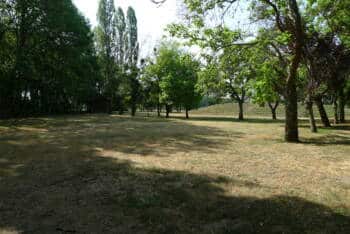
<point x="53" y="63"/>
<point x="48" y="61"/>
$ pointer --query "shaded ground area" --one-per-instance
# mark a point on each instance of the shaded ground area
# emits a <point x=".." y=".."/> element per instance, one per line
<point x="111" y="174"/>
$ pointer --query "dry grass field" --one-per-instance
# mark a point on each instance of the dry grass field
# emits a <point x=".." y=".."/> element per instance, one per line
<point x="116" y="174"/>
<point x="253" y="110"/>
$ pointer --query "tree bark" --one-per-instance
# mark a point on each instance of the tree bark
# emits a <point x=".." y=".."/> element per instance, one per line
<point x="291" y="125"/>
<point x="291" y="95"/>
<point x="158" y="109"/>
<point x="336" y="110"/>
<point x="241" y="113"/>
<point x="309" y="104"/>
<point x="110" y="106"/>
<point x="273" y="109"/>
<point x="323" y="113"/>
<point x="274" y="116"/>
<point x="167" y="107"/>
<point x="341" y="107"/>
<point x="133" y="110"/>
<point x="187" y="116"/>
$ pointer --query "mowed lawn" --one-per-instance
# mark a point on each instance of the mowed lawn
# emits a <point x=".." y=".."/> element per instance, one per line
<point x="116" y="174"/>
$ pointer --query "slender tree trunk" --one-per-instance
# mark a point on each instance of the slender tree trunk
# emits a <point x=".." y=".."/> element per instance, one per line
<point x="309" y="108"/>
<point x="167" y="108"/>
<point x="158" y="109"/>
<point x="341" y="107"/>
<point x="335" y="109"/>
<point x="323" y="113"/>
<point x="273" y="109"/>
<point x="241" y="113"/>
<point x="187" y="116"/>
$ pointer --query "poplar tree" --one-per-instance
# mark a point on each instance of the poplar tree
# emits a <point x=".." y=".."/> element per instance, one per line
<point x="121" y="27"/>
<point x="107" y="45"/>
<point x="132" y="54"/>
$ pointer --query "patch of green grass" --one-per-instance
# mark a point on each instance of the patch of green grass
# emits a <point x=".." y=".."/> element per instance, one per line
<point x="116" y="174"/>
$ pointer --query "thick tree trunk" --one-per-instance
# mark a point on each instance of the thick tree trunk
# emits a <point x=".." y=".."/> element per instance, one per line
<point x="241" y="113"/>
<point x="341" y="107"/>
<point x="120" y="106"/>
<point x="291" y="95"/>
<point x="336" y="110"/>
<point x="187" y="116"/>
<point x="110" y="106"/>
<point x="323" y="113"/>
<point x="133" y="110"/>
<point x="291" y="127"/>
<point x="309" y="104"/>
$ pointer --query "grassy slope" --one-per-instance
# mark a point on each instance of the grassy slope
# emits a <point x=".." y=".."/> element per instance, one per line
<point x="110" y="174"/>
<point x="231" y="109"/>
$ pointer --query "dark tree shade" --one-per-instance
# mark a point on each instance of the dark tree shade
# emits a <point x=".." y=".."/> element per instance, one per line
<point x="48" y="59"/>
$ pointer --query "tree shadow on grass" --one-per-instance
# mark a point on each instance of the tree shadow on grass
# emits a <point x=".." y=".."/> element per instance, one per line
<point x="85" y="193"/>
<point x="329" y="139"/>
<point x="339" y="127"/>
<point x="230" y="119"/>
<point x="116" y="134"/>
<point x="51" y="182"/>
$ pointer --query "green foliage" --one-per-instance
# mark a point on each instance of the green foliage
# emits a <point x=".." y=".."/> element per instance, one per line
<point x="329" y="16"/>
<point x="131" y="32"/>
<point x="106" y="40"/>
<point x="48" y="63"/>
<point x="263" y="87"/>
<point x="132" y="55"/>
<point x="117" y="44"/>
<point x="229" y="73"/>
<point x="173" y="78"/>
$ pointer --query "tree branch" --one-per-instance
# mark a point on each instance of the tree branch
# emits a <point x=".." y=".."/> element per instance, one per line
<point x="277" y="15"/>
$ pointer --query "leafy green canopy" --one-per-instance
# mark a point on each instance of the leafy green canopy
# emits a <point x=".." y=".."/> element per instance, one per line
<point x="48" y="64"/>
<point x="174" y="75"/>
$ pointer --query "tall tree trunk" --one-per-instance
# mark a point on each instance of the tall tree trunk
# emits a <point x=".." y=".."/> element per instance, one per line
<point x="158" y="109"/>
<point x="291" y="126"/>
<point x="133" y="110"/>
<point x="241" y="112"/>
<point x="335" y="109"/>
<point x="341" y="107"/>
<point x="309" y="108"/>
<point x="291" y="95"/>
<point x="167" y="108"/>
<point x="322" y="111"/>
<point x="187" y="116"/>
<point x="273" y="109"/>
<point x="111" y="107"/>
